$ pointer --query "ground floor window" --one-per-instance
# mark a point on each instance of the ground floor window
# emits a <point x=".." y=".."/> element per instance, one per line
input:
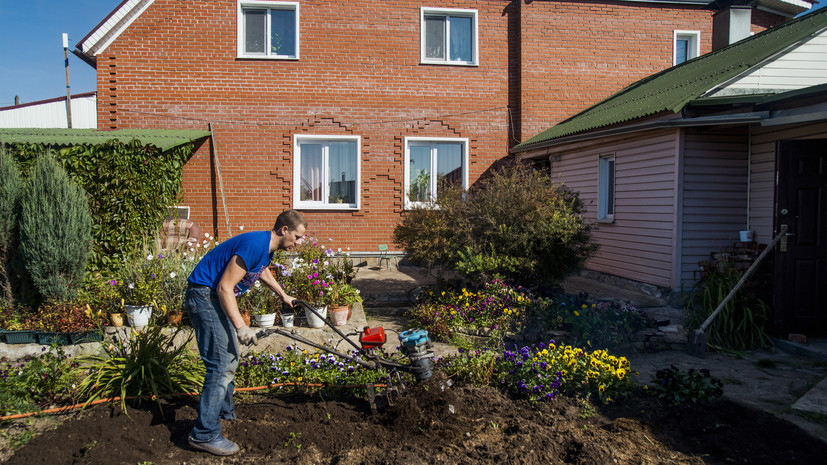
<point x="326" y="172"/>
<point x="431" y="164"/>
<point x="606" y="188"/>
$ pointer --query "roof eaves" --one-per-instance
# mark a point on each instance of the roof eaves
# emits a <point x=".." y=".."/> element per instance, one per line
<point x="163" y="139"/>
<point x="111" y="27"/>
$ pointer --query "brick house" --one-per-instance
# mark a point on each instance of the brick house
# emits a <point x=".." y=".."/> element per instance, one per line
<point x="345" y="108"/>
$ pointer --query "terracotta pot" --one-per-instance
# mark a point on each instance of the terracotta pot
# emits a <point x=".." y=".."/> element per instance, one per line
<point x="174" y="318"/>
<point x="248" y="320"/>
<point x="116" y="319"/>
<point x="339" y="315"/>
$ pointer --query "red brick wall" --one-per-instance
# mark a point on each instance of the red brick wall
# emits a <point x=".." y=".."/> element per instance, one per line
<point x="577" y="53"/>
<point x="359" y="73"/>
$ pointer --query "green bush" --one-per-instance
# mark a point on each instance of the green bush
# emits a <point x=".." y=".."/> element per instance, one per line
<point x="130" y="187"/>
<point x="36" y="383"/>
<point x="681" y="387"/>
<point x="146" y="365"/>
<point x="514" y="224"/>
<point x="741" y="324"/>
<point x="10" y="191"/>
<point x="54" y="230"/>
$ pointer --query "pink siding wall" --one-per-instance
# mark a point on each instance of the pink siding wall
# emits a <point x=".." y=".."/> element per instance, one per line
<point x="639" y="244"/>
<point x="714" y="196"/>
<point x="762" y="182"/>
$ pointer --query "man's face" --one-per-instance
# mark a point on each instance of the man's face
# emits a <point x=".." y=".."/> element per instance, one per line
<point x="289" y="237"/>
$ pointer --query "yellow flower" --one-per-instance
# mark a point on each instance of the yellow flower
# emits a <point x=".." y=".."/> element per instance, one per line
<point x="300" y="378"/>
<point x="576" y="313"/>
<point x="602" y="388"/>
<point x="583" y="306"/>
<point x="620" y="373"/>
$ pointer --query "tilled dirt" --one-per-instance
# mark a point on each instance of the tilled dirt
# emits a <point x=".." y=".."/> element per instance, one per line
<point x="431" y="424"/>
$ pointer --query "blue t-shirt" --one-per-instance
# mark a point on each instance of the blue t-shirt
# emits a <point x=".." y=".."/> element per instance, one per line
<point x="252" y="247"/>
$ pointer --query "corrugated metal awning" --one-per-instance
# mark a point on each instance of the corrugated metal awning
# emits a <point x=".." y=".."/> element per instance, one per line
<point x="163" y="139"/>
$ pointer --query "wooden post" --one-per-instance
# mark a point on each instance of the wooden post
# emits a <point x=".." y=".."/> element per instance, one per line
<point x="68" y="93"/>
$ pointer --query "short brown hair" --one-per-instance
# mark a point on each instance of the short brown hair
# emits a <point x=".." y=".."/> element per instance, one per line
<point x="290" y="218"/>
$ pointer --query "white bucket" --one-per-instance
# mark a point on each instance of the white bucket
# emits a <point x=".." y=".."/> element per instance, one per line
<point x="266" y="320"/>
<point x="314" y="321"/>
<point x="287" y="319"/>
<point x="138" y="315"/>
<point x="746" y="236"/>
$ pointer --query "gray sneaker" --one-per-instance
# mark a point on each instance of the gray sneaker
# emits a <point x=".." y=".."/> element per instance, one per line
<point x="218" y="446"/>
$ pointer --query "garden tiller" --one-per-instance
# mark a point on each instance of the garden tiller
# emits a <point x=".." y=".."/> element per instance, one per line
<point x="415" y="345"/>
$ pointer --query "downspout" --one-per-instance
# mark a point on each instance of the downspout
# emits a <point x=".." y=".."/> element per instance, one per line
<point x="749" y="171"/>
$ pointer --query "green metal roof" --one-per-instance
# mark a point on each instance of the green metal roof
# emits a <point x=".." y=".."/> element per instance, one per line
<point x="673" y="88"/>
<point x="163" y="139"/>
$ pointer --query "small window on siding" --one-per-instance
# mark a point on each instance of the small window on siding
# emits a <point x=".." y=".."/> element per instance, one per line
<point x="686" y="46"/>
<point x="606" y="188"/>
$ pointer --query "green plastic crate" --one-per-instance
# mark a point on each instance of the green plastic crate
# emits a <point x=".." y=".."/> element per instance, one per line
<point x="86" y="336"/>
<point x="47" y="339"/>
<point x="20" y="337"/>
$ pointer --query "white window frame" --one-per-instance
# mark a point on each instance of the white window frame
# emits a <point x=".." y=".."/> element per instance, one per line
<point x="324" y="204"/>
<point x="407" y="163"/>
<point x="693" y="47"/>
<point x="429" y="11"/>
<point x="605" y="206"/>
<point x="264" y="5"/>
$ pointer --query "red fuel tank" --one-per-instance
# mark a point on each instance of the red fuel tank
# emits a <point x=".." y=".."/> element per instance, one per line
<point x="372" y="338"/>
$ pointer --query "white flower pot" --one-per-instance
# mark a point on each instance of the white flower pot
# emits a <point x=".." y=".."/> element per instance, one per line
<point x="266" y="320"/>
<point x="287" y="319"/>
<point x="314" y="321"/>
<point x="138" y="315"/>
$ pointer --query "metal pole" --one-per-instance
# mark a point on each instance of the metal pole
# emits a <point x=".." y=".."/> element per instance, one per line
<point x="68" y="93"/>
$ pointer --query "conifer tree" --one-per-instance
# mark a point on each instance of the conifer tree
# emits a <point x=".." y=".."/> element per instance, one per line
<point x="11" y="186"/>
<point x="55" y="230"/>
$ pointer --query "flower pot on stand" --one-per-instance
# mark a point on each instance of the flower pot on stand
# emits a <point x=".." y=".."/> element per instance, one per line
<point x="339" y="315"/>
<point x="265" y="320"/>
<point x="116" y="319"/>
<point x="138" y="315"/>
<point x="314" y="321"/>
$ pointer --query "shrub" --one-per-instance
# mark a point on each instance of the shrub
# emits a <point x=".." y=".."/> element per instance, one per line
<point x="145" y="365"/>
<point x="679" y="387"/>
<point x="130" y="187"/>
<point x="496" y="307"/>
<point x="55" y="228"/>
<point x="741" y="323"/>
<point x="603" y="325"/>
<point x="10" y="191"/>
<point x="37" y="382"/>
<point x="514" y="224"/>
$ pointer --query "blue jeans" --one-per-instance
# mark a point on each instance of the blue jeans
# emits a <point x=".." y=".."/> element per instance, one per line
<point x="218" y="346"/>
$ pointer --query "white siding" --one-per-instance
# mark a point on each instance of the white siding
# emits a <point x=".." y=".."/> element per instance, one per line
<point x="714" y="195"/>
<point x="639" y="244"/>
<point x="51" y="114"/>
<point x="803" y="66"/>
<point x="762" y="193"/>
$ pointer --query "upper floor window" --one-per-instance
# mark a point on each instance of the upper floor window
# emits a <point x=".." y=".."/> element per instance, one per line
<point x="431" y="164"/>
<point x="448" y="36"/>
<point x="687" y="45"/>
<point x="606" y="188"/>
<point x="326" y="172"/>
<point x="268" y="29"/>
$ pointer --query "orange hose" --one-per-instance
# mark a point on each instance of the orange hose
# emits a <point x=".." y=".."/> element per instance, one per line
<point x="69" y="408"/>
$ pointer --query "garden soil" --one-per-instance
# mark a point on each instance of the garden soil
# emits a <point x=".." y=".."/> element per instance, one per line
<point x="432" y="423"/>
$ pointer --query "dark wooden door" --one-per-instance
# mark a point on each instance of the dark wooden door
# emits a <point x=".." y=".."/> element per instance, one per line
<point x="800" y="273"/>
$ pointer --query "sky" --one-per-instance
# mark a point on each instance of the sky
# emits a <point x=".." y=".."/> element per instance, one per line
<point x="31" y="58"/>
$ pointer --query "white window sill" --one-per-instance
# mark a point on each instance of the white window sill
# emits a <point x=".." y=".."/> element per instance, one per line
<point x="262" y="57"/>
<point x="607" y="220"/>
<point x="329" y="206"/>
<point x="448" y="63"/>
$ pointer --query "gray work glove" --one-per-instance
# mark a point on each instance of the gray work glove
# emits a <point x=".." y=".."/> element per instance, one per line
<point x="247" y="336"/>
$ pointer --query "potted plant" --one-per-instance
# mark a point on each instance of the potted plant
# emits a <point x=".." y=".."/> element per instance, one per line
<point x="138" y="283"/>
<point x="342" y="298"/>
<point x="262" y="303"/>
